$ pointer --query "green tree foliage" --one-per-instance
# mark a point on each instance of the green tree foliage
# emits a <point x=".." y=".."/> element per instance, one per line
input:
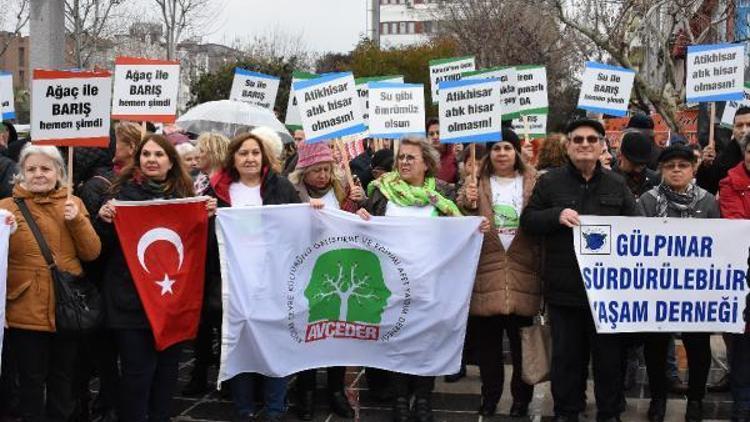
<point x="334" y="62"/>
<point x="216" y="85"/>
<point x="347" y="285"/>
<point x="368" y="59"/>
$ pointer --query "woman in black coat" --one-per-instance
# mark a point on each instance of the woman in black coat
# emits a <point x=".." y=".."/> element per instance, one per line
<point x="249" y="177"/>
<point x="148" y="377"/>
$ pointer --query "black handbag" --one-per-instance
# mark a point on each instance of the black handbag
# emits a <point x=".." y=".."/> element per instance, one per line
<point x="78" y="304"/>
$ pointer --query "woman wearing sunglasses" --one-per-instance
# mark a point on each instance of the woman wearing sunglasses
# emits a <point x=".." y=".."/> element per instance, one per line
<point x="677" y="196"/>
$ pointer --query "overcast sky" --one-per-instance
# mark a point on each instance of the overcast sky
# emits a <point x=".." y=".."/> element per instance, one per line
<point x="326" y="25"/>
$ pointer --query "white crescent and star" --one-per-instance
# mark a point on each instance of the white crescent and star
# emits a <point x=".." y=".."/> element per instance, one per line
<point x="167" y="235"/>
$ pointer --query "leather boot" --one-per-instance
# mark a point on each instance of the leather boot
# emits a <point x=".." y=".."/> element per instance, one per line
<point x="488" y="407"/>
<point x="519" y="410"/>
<point x="694" y="411"/>
<point x="657" y="409"/>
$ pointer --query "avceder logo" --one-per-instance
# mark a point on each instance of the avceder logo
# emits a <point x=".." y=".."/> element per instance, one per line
<point x="347" y="295"/>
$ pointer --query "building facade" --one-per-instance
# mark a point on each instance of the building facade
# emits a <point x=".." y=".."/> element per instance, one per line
<point x="16" y="58"/>
<point x="406" y="22"/>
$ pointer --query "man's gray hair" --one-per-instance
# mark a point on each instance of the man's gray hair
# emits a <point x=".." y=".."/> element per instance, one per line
<point x="46" y="150"/>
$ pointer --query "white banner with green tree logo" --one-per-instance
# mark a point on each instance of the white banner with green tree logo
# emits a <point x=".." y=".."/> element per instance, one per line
<point x="306" y="289"/>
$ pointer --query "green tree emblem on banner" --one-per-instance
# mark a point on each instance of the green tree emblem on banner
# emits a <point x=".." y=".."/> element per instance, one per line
<point x="347" y="285"/>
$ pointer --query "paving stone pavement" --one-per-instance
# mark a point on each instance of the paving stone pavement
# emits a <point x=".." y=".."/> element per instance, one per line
<point x="455" y="402"/>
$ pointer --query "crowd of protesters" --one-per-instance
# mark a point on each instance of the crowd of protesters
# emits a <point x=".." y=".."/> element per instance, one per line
<point x="527" y="264"/>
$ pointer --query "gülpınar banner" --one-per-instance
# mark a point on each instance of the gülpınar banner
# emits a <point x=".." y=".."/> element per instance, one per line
<point x="307" y="289"/>
<point x="664" y="274"/>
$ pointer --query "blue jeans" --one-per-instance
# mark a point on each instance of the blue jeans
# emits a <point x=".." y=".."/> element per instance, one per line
<point x="274" y="394"/>
<point x="739" y="375"/>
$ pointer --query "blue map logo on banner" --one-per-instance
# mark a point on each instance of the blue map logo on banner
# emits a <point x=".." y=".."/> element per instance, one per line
<point x="595" y="240"/>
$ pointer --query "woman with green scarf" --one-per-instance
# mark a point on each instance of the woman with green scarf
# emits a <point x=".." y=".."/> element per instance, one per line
<point x="411" y="191"/>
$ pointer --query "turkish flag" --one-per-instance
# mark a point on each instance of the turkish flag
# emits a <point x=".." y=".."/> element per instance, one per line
<point x="164" y="243"/>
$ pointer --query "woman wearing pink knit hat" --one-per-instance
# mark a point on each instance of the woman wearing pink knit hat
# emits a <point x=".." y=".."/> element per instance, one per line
<point x="316" y="180"/>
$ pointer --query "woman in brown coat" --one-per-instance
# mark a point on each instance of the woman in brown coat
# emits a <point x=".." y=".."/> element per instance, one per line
<point x="507" y="289"/>
<point x="44" y="358"/>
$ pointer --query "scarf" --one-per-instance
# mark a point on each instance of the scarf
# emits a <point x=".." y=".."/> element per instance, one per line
<point x="684" y="203"/>
<point x="315" y="192"/>
<point x="155" y="189"/>
<point x="403" y="194"/>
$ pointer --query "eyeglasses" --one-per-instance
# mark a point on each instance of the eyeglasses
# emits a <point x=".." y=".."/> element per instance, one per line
<point x="591" y="139"/>
<point x="406" y="158"/>
<point x="681" y="165"/>
<point x="433" y="133"/>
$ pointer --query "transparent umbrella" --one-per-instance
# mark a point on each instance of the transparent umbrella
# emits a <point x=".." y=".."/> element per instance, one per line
<point x="230" y="118"/>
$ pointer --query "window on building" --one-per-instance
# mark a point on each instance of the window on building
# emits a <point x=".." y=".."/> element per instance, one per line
<point x="22" y="56"/>
<point x="394" y="27"/>
<point x="402" y="28"/>
<point x="429" y="27"/>
<point x="22" y="75"/>
<point x="384" y="28"/>
<point x="410" y="28"/>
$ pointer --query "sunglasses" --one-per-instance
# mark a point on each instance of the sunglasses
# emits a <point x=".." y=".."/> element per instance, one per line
<point x="680" y="165"/>
<point x="406" y="158"/>
<point x="433" y="133"/>
<point x="590" y="139"/>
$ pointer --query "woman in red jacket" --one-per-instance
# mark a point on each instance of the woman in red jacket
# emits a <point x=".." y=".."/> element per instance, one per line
<point x="734" y="202"/>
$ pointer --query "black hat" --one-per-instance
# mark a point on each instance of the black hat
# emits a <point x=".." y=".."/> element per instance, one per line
<point x="593" y="124"/>
<point x="508" y="136"/>
<point x="641" y="121"/>
<point x="677" y="151"/>
<point x="636" y="147"/>
<point x="382" y="158"/>
<point x="677" y="139"/>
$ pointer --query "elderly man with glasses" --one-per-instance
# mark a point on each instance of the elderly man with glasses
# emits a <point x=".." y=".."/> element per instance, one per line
<point x="582" y="187"/>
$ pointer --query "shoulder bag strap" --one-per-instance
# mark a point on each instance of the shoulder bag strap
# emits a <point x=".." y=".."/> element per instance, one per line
<point x="37" y="233"/>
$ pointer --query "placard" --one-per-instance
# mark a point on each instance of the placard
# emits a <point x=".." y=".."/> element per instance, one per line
<point x="397" y="110"/>
<point x="450" y="69"/>
<point x="7" y="104"/>
<point x="606" y="89"/>
<point x="531" y="89"/>
<point x="145" y="89"/>
<point x="71" y="108"/>
<point x="469" y="111"/>
<point x="508" y="79"/>
<point x="537" y="125"/>
<point x="715" y="72"/>
<point x="329" y="107"/>
<point x="664" y="274"/>
<point x="363" y="92"/>
<point x="254" y="88"/>
<point x="293" y="119"/>
<point x="731" y="107"/>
